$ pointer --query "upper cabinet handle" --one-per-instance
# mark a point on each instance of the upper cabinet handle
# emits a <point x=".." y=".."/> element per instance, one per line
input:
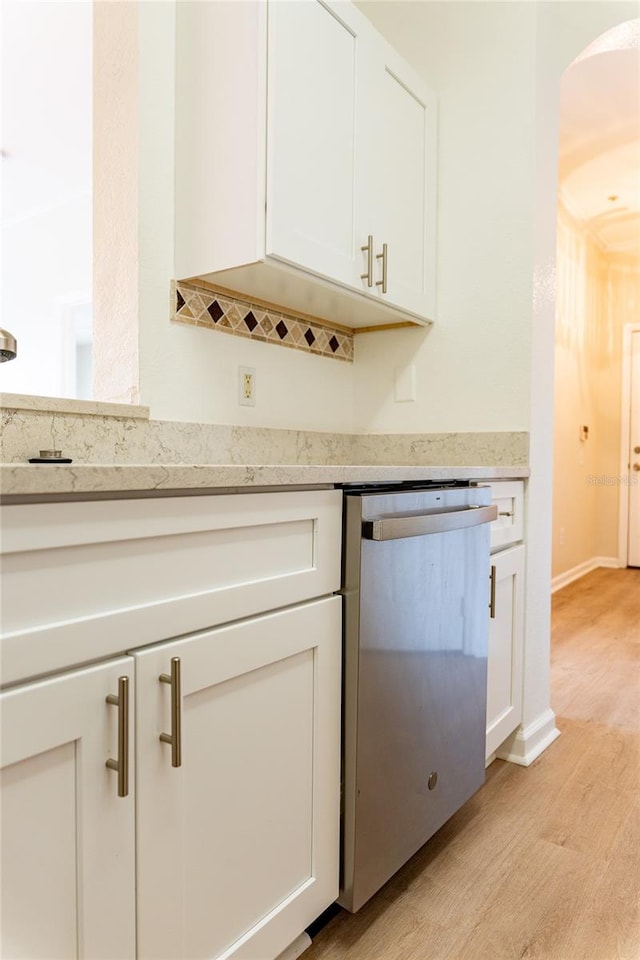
<point x="368" y="276"/>
<point x="383" y="256"/>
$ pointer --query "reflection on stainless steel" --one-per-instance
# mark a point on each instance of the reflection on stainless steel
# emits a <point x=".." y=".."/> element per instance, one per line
<point x="416" y="629"/>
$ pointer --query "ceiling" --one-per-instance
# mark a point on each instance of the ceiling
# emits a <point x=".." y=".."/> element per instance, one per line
<point x="600" y="141"/>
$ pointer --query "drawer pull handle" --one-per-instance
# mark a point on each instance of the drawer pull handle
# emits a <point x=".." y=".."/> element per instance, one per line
<point x="505" y="513"/>
<point x="383" y="256"/>
<point x="121" y="765"/>
<point x="368" y="276"/>
<point x="492" y="601"/>
<point x="175" y="737"/>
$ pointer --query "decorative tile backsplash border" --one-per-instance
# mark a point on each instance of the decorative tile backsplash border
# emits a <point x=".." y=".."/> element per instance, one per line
<point x="205" y="307"/>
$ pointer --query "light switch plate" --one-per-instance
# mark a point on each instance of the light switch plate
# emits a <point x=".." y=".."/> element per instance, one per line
<point x="405" y="384"/>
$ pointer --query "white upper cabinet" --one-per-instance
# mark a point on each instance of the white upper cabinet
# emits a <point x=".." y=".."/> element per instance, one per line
<point x="300" y="134"/>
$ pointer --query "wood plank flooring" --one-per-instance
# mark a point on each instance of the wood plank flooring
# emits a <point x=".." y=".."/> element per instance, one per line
<point x="543" y="863"/>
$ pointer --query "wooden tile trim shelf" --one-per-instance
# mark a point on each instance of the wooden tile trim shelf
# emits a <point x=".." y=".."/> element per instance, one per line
<point x="204" y="305"/>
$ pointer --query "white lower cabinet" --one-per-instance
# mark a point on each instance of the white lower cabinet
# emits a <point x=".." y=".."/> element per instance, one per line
<point x="68" y="846"/>
<point x="226" y="847"/>
<point x="231" y="853"/>
<point x="506" y="634"/>
<point x="238" y="845"/>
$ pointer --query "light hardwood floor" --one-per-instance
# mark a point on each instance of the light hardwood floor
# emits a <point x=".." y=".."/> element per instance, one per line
<point x="542" y="862"/>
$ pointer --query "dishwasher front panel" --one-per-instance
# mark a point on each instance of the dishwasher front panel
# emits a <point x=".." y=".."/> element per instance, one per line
<point x="416" y="627"/>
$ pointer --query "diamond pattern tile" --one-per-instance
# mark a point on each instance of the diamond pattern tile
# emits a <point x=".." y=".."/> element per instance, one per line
<point x="215" y="311"/>
<point x="251" y="322"/>
<point x="202" y="307"/>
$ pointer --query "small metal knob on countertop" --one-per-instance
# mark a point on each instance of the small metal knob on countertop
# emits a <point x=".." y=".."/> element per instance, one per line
<point x="50" y="456"/>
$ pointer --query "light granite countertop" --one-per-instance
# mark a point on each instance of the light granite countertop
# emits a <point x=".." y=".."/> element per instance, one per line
<point x="35" y="481"/>
<point x="118" y="451"/>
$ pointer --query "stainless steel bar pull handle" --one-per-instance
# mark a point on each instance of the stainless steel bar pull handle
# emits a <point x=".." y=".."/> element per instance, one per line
<point x="368" y="276"/>
<point x="384" y="257"/>
<point x="121" y="765"/>
<point x="492" y="599"/>
<point x="175" y="737"/>
<point x="420" y="525"/>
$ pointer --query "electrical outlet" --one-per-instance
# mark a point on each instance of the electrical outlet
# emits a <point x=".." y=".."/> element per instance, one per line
<point x="247" y="386"/>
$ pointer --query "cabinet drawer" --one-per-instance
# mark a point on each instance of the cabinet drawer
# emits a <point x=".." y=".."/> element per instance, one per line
<point x="507" y="528"/>
<point x="90" y="579"/>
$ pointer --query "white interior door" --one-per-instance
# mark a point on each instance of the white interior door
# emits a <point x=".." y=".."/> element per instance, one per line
<point x="67" y="837"/>
<point x="634" y="456"/>
<point x="238" y="846"/>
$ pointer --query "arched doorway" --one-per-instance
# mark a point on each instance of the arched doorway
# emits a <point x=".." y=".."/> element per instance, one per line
<point x="597" y="296"/>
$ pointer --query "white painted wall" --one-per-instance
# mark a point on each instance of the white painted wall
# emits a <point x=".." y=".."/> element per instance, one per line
<point x="115" y="202"/>
<point x="46" y="184"/>
<point x="472" y="367"/>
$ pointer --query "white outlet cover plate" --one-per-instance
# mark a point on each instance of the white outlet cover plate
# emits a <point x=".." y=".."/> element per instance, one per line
<point x="243" y="400"/>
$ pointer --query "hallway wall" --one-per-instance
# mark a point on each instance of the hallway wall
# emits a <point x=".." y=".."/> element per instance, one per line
<point x="580" y="310"/>
<point x="597" y="294"/>
<point x="622" y="306"/>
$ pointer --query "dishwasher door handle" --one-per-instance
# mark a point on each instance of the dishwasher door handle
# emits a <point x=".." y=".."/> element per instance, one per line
<point x="420" y="525"/>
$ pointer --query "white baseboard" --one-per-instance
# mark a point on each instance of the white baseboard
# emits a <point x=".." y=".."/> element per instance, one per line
<point x="613" y="563"/>
<point x="564" y="579"/>
<point x="527" y="743"/>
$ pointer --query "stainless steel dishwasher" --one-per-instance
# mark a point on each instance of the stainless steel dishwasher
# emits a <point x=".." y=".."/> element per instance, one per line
<point x="416" y="594"/>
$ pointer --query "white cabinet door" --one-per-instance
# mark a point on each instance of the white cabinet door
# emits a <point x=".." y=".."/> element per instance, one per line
<point x="311" y="136"/>
<point x="398" y="163"/>
<point x="238" y="846"/>
<point x="506" y="636"/>
<point x="67" y="837"/>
